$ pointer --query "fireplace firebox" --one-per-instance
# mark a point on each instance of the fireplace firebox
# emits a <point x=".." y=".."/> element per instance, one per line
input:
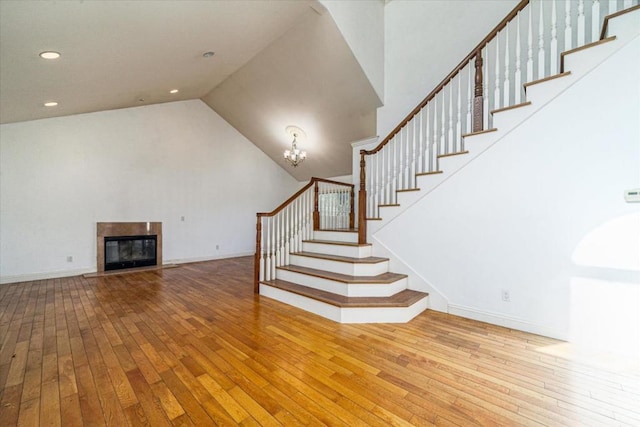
<point x="129" y="252"/>
<point x="114" y="231"/>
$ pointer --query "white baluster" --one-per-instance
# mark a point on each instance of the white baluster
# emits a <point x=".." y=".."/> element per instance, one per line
<point x="581" y="24"/>
<point x="468" y="126"/>
<point x="427" y="138"/>
<point x="553" y="46"/>
<point x="451" y="142"/>
<point x="394" y="164"/>
<point x="530" y="45"/>
<point x="517" y="77"/>
<point x="443" y="125"/>
<point x="435" y="147"/>
<point x="496" y="88"/>
<point x="613" y="6"/>
<point x="414" y="148"/>
<point x="408" y="155"/>
<point x="419" y="167"/>
<point x="541" y="69"/>
<point x="595" y="20"/>
<point x="272" y="267"/>
<point x="627" y="4"/>
<point x="401" y="151"/>
<point x="506" y="89"/>
<point x="458" y="135"/>
<point x="568" y="32"/>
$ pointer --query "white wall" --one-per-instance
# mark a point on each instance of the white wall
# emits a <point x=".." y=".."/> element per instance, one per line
<point x="161" y="162"/>
<point x="423" y="42"/>
<point x="361" y="23"/>
<point x="541" y="215"/>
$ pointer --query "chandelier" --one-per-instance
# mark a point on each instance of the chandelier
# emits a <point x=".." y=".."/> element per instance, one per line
<point x="295" y="156"/>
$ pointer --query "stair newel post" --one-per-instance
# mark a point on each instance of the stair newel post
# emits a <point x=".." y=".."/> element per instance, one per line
<point x="362" y="201"/>
<point x="316" y="211"/>
<point x="257" y="257"/>
<point x="478" y="113"/>
<point x="352" y="212"/>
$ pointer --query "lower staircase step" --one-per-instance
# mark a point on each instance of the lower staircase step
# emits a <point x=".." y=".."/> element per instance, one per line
<point x="383" y="278"/>
<point x="346" y="259"/>
<point x="405" y="298"/>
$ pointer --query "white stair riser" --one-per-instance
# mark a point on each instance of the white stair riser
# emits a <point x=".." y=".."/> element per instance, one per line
<point x="384" y="314"/>
<point x="408" y="197"/>
<point x="541" y="93"/>
<point x="339" y="250"/>
<point x="625" y="27"/>
<point x="336" y="236"/>
<point x="328" y="311"/>
<point x="508" y="119"/>
<point x="476" y="144"/>
<point x="347" y="315"/>
<point x="452" y="163"/>
<point x="340" y="288"/>
<point x="340" y="267"/>
<point x="583" y="61"/>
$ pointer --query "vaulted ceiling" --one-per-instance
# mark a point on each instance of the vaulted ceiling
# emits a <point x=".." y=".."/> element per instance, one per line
<point x="276" y="63"/>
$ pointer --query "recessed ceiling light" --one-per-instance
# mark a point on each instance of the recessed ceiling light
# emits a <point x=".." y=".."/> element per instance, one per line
<point x="49" y="54"/>
<point x="208" y="54"/>
<point x="50" y="104"/>
<point x="174" y="91"/>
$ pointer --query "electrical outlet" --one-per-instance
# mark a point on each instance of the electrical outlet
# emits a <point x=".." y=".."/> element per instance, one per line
<point x="505" y="296"/>
<point x="69" y="258"/>
<point x="217" y="247"/>
<point x="182" y="218"/>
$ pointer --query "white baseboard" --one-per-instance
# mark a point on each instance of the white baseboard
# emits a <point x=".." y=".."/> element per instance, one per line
<point x="77" y="272"/>
<point x="507" y="321"/>
<point x="207" y="258"/>
<point x="43" y="276"/>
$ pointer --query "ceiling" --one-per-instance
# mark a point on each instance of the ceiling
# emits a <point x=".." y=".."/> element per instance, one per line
<point x="276" y="63"/>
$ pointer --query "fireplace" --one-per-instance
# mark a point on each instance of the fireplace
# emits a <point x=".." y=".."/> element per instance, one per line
<point x="122" y="245"/>
<point x="129" y="252"/>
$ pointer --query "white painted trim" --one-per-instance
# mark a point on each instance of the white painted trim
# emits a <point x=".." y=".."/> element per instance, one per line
<point x="207" y="258"/>
<point x="80" y="271"/>
<point x="507" y="321"/>
<point x="44" y="276"/>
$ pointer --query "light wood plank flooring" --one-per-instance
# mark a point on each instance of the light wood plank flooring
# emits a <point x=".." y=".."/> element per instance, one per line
<point x="194" y="346"/>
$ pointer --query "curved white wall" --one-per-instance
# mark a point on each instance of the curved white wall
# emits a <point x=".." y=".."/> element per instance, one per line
<point x="155" y="163"/>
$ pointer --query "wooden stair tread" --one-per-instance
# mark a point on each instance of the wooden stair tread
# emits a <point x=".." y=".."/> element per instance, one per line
<point x="351" y="260"/>
<point x="384" y="278"/>
<point x="452" y="154"/>
<point x="404" y="298"/>
<point x="334" y="242"/>
<point x="341" y="230"/>
<point x="511" y="107"/>
<point x="546" y="79"/>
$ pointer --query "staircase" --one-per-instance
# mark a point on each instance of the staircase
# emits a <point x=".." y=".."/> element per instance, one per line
<point x="331" y="271"/>
<point x="336" y="277"/>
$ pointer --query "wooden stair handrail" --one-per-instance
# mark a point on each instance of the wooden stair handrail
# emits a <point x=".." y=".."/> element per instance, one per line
<point x="474" y="53"/>
<point x="316" y="220"/>
<point x="312" y="182"/>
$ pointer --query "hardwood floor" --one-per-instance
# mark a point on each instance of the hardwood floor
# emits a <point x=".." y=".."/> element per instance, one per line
<point x="194" y="346"/>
